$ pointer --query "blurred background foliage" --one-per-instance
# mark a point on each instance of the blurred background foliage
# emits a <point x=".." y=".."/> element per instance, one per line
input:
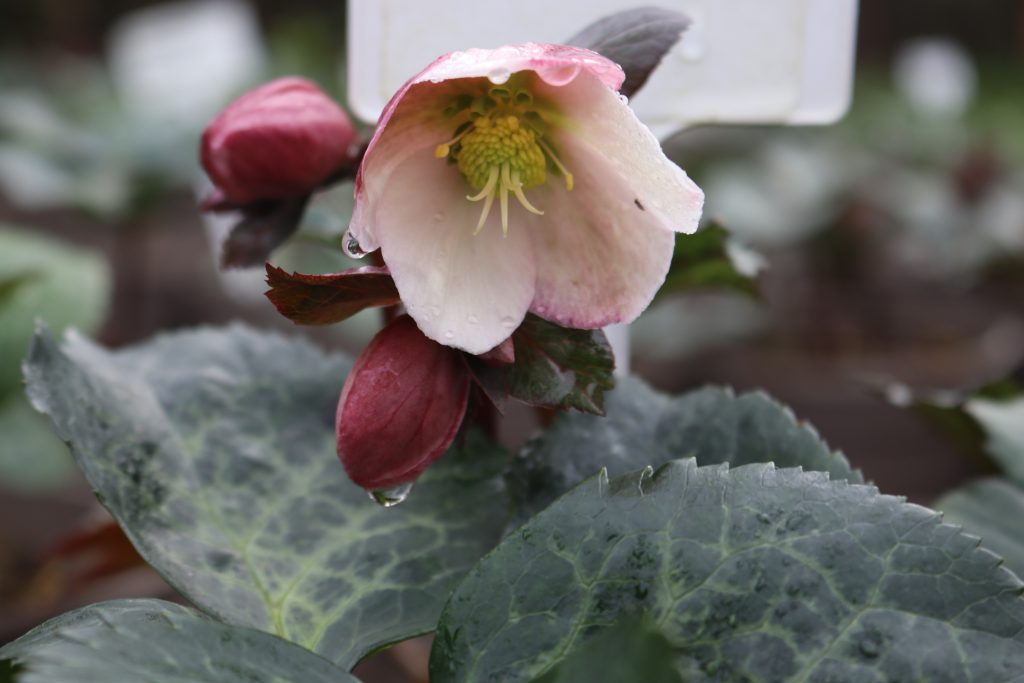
<point x="854" y="271"/>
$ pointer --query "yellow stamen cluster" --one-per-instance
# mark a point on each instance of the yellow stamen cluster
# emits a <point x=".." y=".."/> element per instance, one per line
<point x="499" y="154"/>
<point x="495" y="143"/>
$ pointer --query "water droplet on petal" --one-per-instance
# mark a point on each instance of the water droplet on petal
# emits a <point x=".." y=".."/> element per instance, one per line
<point x="472" y="319"/>
<point x="391" y="497"/>
<point x="433" y="311"/>
<point x="499" y="75"/>
<point x="350" y="245"/>
<point x="449" y="334"/>
<point x="508" y="322"/>
<point x="623" y="98"/>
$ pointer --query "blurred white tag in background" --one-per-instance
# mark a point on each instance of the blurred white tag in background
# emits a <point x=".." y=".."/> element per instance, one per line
<point x="741" y="61"/>
<point x="178" y="63"/>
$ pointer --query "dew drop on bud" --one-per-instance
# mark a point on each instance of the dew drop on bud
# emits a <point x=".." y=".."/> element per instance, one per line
<point x="499" y="75"/>
<point x="391" y="497"/>
<point x="350" y="245"/>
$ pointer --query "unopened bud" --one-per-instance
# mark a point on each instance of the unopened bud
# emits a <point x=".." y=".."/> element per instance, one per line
<point x="401" y="406"/>
<point x="278" y="141"/>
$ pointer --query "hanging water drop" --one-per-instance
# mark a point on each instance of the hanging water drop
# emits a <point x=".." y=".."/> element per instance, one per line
<point x="391" y="497"/>
<point x="350" y="245"/>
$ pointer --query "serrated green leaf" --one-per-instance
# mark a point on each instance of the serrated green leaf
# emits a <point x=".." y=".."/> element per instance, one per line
<point x="130" y="641"/>
<point x="214" y="449"/>
<point x="631" y="650"/>
<point x="43" y="278"/>
<point x="554" y="366"/>
<point x="753" y="574"/>
<point x="992" y="509"/>
<point x="644" y="427"/>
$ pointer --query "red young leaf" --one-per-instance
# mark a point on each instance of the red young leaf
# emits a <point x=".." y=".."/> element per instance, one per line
<point x="401" y="406"/>
<point x="264" y="226"/>
<point x="93" y="553"/>
<point x="326" y="299"/>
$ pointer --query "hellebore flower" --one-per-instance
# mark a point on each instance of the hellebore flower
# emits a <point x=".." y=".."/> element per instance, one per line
<point x="278" y="141"/>
<point x="401" y="406"/>
<point x="517" y="179"/>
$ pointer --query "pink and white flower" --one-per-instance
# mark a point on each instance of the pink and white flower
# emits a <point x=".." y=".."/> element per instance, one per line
<point x="515" y="180"/>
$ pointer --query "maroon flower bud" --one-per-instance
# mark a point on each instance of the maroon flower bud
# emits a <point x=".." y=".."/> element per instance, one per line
<point x="281" y="140"/>
<point x="401" y="406"/>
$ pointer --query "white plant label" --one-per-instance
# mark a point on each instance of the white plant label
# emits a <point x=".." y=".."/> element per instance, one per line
<point x="741" y="61"/>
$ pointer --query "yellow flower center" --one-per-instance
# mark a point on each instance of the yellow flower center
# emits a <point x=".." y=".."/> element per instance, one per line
<point x="501" y="150"/>
<point x="498" y="142"/>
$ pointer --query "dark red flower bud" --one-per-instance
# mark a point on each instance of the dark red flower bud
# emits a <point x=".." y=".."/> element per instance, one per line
<point x="281" y="140"/>
<point x="401" y="406"/>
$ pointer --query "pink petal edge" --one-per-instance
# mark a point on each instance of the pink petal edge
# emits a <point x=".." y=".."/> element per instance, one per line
<point x="556" y="65"/>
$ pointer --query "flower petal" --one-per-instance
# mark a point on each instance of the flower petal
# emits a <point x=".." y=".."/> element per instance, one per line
<point x="408" y="120"/>
<point x="416" y="132"/>
<point x="601" y="254"/>
<point x="602" y="121"/>
<point x="555" y="64"/>
<point x="464" y="290"/>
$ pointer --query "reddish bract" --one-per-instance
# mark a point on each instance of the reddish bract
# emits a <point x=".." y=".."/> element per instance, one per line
<point x="331" y="298"/>
<point x="401" y="406"/>
<point x="280" y="140"/>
